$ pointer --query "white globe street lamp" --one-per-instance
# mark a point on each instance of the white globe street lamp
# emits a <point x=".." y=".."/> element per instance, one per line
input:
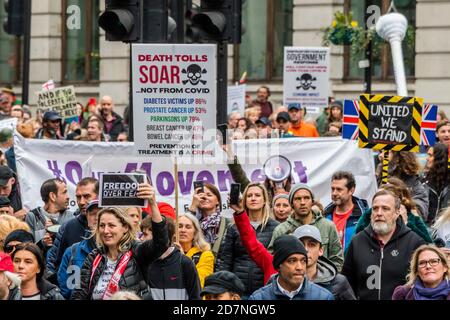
<point x="392" y="28"/>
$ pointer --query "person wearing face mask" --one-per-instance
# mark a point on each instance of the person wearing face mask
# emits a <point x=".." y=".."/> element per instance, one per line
<point x="234" y="256"/>
<point x="29" y="264"/>
<point x="428" y="278"/>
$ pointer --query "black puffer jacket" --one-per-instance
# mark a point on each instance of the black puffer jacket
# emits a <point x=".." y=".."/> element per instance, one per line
<point x="236" y="259"/>
<point x="143" y="254"/>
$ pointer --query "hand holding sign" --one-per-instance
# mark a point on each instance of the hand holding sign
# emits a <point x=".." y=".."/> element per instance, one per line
<point x="146" y="191"/>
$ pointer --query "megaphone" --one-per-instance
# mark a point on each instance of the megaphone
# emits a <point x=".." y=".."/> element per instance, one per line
<point x="277" y="169"/>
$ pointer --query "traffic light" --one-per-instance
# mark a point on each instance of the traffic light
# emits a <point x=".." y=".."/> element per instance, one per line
<point x="158" y="25"/>
<point x="217" y="20"/>
<point x="14" y="22"/>
<point x="122" y="20"/>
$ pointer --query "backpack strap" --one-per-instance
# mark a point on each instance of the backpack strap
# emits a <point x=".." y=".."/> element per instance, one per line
<point x="224" y="223"/>
<point x="38" y="215"/>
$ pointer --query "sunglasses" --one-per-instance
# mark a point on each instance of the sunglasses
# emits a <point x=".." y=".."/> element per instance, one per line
<point x="10" y="248"/>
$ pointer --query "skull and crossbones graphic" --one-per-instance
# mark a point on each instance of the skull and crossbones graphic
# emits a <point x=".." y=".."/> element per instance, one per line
<point x="306" y="81"/>
<point x="194" y="73"/>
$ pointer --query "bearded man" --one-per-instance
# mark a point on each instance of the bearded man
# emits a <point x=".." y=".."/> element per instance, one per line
<point x="377" y="259"/>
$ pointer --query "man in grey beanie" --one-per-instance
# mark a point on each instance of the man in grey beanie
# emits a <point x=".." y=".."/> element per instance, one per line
<point x="301" y="199"/>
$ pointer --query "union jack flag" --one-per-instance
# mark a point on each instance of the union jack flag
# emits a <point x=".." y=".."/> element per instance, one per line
<point x="350" y="128"/>
<point x="428" y="128"/>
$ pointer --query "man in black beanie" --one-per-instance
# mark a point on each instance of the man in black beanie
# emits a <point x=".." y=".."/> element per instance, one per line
<point x="290" y="259"/>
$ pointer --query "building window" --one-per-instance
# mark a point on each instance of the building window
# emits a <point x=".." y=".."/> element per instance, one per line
<point x="268" y="28"/>
<point x="10" y="53"/>
<point x="382" y="67"/>
<point x="80" y="48"/>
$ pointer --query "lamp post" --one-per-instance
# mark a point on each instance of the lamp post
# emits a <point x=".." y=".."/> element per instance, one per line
<point x="392" y="28"/>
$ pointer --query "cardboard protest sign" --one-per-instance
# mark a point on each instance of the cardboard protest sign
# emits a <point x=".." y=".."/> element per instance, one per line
<point x="61" y="100"/>
<point x="306" y="77"/>
<point x="236" y="99"/>
<point x="119" y="190"/>
<point x="390" y="122"/>
<point x="174" y="98"/>
<point x="350" y="127"/>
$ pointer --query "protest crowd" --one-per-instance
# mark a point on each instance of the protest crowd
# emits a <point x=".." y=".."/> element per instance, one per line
<point x="281" y="243"/>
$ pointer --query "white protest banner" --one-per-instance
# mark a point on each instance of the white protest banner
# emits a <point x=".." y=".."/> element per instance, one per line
<point x="61" y="100"/>
<point x="313" y="161"/>
<point x="9" y="123"/>
<point x="174" y="98"/>
<point x="306" y="77"/>
<point x="236" y="99"/>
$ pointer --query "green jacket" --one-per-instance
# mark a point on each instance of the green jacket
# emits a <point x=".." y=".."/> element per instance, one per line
<point x="322" y="123"/>
<point x="332" y="248"/>
<point x="415" y="223"/>
<point x="238" y="174"/>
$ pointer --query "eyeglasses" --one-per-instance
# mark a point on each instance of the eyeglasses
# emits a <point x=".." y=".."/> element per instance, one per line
<point x="432" y="262"/>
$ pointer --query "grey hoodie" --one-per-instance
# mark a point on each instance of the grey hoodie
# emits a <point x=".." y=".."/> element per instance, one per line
<point x="328" y="278"/>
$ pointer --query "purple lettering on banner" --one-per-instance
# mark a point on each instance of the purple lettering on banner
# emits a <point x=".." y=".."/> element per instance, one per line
<point x="53" y="167"/>
<point x="185" y="186"/>
<point x="258" y="176"/>
<point x="146" y="166"/>
<point x="206" y="176"/>
<point x="165" y="176"/>
<point x="300" y="170"/>
<point x="223" y="177"/>
<point x="73" y="166"/>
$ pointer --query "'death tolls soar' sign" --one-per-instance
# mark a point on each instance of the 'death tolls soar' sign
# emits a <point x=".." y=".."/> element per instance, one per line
<point x="390" y="122"/>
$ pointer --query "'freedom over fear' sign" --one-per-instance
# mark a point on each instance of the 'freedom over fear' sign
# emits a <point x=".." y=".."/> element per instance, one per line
<point x="390" y="122"/>
<point x="174" y="98"/>
<point x="120" y="189"/>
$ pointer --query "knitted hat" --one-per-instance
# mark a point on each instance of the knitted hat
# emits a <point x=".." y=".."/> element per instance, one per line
<point x="283" y="195"/>
<point x="285" y="246"/>
<point x="297" y="187"/>
<point x="19" y="235"/>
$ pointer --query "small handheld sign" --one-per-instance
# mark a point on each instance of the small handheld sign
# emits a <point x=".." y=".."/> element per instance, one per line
<point x="120" y="190"/>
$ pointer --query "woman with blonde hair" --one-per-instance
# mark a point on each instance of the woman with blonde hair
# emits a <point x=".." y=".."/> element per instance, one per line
<point x="195" y="246"/>
<point x="120" y="260"/>
<point x="234" y="256"/>
<point x="9" y="224"/>
<point x="135" y="214"/>
<point x="428" y="278"/>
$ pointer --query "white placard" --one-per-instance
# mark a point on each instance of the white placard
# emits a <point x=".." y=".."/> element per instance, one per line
<point x="174" y="98"/>
<point x="306" y="77"/>
<point x="61" y="100"/>
<point x="236" y="99"/>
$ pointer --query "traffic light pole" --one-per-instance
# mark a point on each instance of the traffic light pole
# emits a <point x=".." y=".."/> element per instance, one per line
<point x="222" y="78"/>
<point x="26" y="52"/>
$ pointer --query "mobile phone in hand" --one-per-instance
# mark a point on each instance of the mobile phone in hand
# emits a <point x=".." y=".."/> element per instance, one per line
<point x="234" y="193"/>
<point x="199" y="184"/>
